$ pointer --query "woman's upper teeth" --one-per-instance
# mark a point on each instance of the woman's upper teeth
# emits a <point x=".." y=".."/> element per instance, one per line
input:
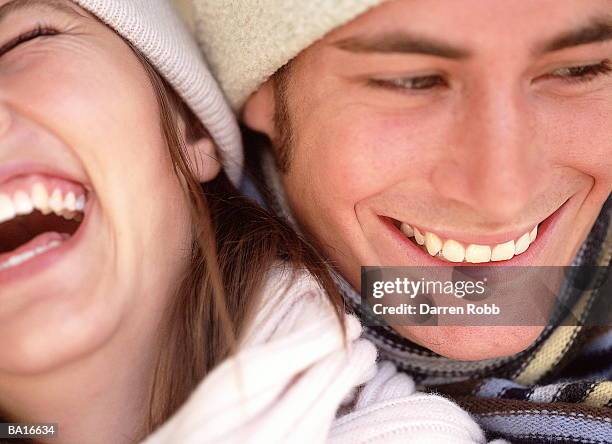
<point x="455" y="251"/>
<point x="67" y="203"/>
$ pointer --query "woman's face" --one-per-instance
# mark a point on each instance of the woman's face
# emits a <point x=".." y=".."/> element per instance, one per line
<point x="80" y="139"/>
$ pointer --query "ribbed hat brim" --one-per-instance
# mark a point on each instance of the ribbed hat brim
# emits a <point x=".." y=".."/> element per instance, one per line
<point x="156" y="30"/>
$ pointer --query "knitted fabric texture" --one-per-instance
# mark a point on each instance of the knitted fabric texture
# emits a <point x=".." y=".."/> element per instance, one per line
<point x="156" y="30"/>
<point x="296" y="378"/>
<point x="246" y="42"/>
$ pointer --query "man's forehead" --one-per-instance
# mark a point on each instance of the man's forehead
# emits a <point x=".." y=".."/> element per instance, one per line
<point x="457" y="28"/>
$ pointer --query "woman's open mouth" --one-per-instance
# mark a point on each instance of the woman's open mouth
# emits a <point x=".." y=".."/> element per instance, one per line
<point x="38" y="214"/>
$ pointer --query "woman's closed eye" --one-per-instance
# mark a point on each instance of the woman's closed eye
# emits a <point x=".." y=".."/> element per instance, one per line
<point x="38" y="32"/>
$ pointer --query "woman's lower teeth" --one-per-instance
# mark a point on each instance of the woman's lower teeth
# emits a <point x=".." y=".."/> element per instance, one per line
<point x="25" y="256"/>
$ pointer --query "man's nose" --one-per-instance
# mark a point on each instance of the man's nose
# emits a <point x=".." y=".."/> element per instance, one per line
<point x="494" y="165"/>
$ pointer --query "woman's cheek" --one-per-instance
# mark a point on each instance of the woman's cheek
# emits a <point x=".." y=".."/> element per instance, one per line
<point x="85" y="95"/>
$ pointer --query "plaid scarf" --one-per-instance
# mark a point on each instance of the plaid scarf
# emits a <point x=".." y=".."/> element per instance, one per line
<point x="559" y="390"/>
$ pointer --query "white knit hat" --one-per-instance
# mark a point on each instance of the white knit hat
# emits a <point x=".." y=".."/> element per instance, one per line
<point x="154" y="27"/>
<point x="246" y="41"/>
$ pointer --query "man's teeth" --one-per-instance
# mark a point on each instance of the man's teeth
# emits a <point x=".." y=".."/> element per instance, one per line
<point x="68" y="205"/>
<point x="19" y="259"/>
<point x="433" y="243"/>
<point x="407" y="230"/>
<point x="478" y="254"/>
<point x="503" y="252"/>
<point x="454" y="251"/>
<point x="419" y="237"/>
<point x="522" y="244"/>
<point x="533" y="234"/>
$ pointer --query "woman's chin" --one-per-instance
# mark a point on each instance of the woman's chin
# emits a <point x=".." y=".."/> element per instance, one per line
<point x="472" y="343"/>
<point x="34" y="346"/>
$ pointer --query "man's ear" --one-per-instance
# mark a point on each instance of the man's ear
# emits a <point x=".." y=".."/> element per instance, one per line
<point x="204" y="159"/>
<point x="259" y="111"/>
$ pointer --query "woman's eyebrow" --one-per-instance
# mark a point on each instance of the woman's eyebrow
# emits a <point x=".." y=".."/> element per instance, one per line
<point x="57" y="5"/>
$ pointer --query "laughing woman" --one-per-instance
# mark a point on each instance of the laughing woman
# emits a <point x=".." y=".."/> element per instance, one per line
<point x="113" y="302"/>
<point x="124" y="282"/>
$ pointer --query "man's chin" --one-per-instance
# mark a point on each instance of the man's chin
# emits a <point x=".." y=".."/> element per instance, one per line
<point x="472" y="343"/>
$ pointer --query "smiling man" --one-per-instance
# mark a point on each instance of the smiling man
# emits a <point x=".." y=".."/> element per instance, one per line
<point x="429" y="132"/>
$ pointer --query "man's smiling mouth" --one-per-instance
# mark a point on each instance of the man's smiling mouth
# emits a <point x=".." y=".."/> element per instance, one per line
<point x="452" y="250"/>
<point x="520" y="245"/>
<point x="38" y="213"/>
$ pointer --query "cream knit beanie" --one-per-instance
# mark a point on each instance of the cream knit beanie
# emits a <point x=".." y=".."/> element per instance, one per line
<point x="246" y="41"/>
<point x="154" y="27"/>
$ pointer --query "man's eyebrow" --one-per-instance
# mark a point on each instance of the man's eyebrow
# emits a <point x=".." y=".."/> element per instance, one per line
<point x="15" y="5"/>
<point x="597" y="31"/>
<point x="401" y="43"/>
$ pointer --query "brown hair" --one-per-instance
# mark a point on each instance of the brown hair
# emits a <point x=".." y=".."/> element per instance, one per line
<point x="235" y="245"/>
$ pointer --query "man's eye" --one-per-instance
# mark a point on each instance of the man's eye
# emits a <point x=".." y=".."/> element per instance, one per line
<point x="39" y="31"/>
<point x="411" y="83"/>
<point x="584" y="73"/>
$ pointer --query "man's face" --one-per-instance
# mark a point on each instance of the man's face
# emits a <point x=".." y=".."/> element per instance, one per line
<point x="466" y="123"/>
